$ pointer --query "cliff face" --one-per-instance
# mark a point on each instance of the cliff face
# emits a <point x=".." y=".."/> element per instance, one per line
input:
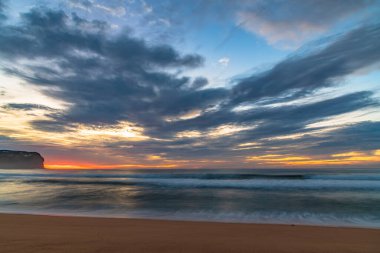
<point x="20" y="160"/>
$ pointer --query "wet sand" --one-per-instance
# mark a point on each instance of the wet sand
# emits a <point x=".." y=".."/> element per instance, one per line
<point x="34" y="233"/>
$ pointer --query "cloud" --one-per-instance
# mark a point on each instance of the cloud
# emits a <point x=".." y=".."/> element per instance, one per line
<point x="360" y="136"/>
<point x="107" y="80"/>
<point x="224" y="61"/>
<point x="116" y="11"/>
<point x="273" y="121"/>
<point x="121" y="78"/>
<point x="81" y="4"/>
<point x="146" y="7"/>
<point x="321" y="68"/>
<point x="283" y="24"/>
<point x="27" y="107"/>
<point x="51" y="125"/>
<point x="363" y="136"/>
<point x="2" y="10"/>
<point x="88" y="6"/>
<point x="290" y="23"/>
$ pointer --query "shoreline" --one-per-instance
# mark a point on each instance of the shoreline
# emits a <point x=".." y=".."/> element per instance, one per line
<point x="148" y="218"/>
<point x="53" y="233"/>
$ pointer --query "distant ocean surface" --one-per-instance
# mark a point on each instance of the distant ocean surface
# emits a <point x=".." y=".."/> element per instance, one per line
<point x="313" y="197"/>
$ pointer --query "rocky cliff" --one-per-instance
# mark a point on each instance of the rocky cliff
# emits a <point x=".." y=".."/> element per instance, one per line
<point x="20" y="160"/>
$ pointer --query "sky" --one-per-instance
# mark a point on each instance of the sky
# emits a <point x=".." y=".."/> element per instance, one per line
<point x="192" y="84"/>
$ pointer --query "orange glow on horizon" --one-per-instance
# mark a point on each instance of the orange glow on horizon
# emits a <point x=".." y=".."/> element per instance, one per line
<point x="258" y="161"/>
<point x="89" y="166"/>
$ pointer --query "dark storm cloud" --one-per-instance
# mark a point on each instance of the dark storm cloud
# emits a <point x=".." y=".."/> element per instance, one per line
<point x="2" y="10"/>
<point x="293" y="119"/>
<point x="113" y="78"/>
<point x="27" y="107"/>
<point x="355" y="50"/>
<point x="271" y="122"/>
<point x="4" y="138"/>
<point x="106" y="78"/>
<point x="362" y="136"/>
<point x="47" y="33"/>
<point x="51" y="125"/>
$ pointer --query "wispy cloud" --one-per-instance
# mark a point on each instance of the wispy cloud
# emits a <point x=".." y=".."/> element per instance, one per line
<point x="224" y="61"/>
<point x="89" y="5"/>
<point x="290" y="23"/>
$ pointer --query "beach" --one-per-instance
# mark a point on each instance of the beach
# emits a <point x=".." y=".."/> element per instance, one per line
<point x="39" y="233"/>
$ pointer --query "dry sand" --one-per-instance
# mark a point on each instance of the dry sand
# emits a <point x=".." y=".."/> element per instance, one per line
<point x="33" y="233"/>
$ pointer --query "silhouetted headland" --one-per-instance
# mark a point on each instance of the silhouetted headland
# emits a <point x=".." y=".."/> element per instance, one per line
<point x="10" y="159"/>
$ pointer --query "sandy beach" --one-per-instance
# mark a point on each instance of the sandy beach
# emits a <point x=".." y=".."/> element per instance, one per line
<point x="34" y="233"/>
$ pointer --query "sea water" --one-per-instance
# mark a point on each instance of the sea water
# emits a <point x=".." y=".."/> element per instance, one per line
<point x="313" y="197"/>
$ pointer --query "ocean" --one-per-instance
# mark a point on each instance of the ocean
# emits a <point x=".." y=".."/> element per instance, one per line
<point x="282" y="196"/>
